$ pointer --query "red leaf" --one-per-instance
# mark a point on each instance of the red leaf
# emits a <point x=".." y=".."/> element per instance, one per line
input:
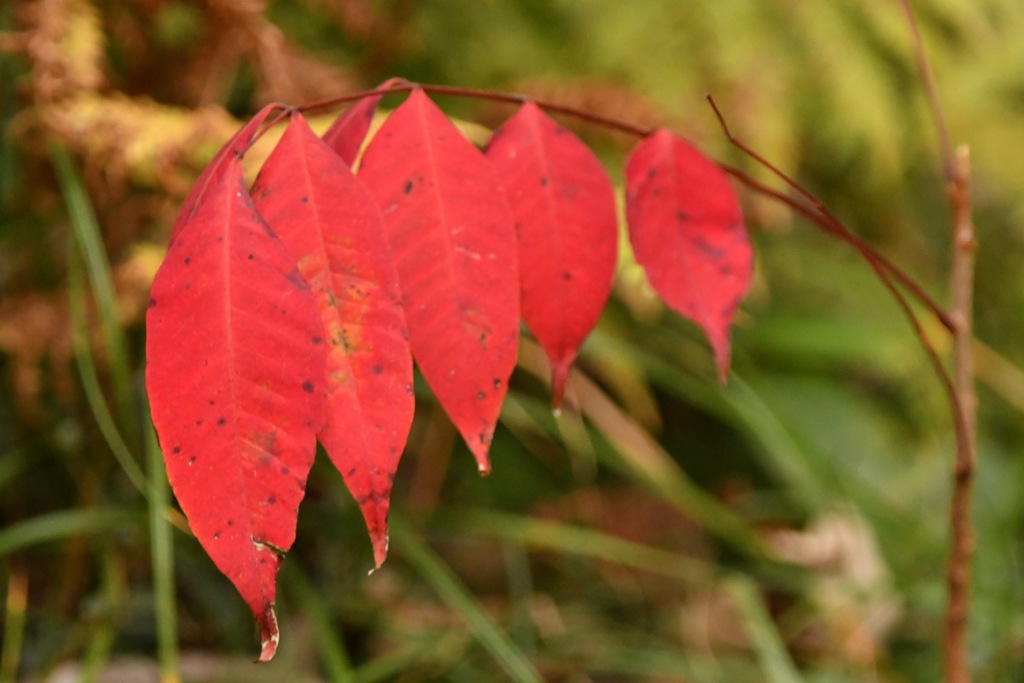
<point x="687" y="232"/>
<point x="335" y="232"/>
<point x="453" y="240"/>
<point x="346" y="134"/>
<point x="235" y="147"/>
<point x="564" y="206"/>
<point x="235" y="367"/>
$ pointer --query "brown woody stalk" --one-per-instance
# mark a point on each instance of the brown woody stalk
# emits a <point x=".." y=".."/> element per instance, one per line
<point x="957" y="172"/>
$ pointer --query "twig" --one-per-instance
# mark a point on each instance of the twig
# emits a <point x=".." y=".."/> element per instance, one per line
<point x="957" y="171"/>
<point x="962" y="290"/>
<point x="489" y="95"/>
<point x="824" y="218"/>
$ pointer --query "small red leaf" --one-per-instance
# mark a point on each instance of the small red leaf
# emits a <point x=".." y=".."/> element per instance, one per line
<point x="219" y="165"/>
<point x="453" y="240"/>
<point x="334" y="231"/>
<point x="564" y="206"/>
<point x="235" y="367"/>
<point x="346" y="134"/>
<point x="688" y="234"/>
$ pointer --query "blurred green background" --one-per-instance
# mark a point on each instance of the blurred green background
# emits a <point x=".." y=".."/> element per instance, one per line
<point x="791" y="526"/>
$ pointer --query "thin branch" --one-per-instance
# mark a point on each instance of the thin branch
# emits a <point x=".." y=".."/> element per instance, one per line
<point x="491" y="96"/>
<point x="962" y="399"/>
<point x="962" y="288"/>
<point x="931" y="91"/>
<point x="832" y="227"/>
<point x="823" y="218"/>
<point x="957" y="172"/>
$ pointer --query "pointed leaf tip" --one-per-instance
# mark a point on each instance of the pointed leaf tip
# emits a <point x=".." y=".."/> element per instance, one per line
<point x="559" y="380"/>
<point x="348" y="132"/>
<point x="270" y="636"/>
<point x="687" y="233"/>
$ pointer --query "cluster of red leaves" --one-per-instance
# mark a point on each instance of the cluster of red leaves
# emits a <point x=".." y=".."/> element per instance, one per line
<point x="291" y="312"/>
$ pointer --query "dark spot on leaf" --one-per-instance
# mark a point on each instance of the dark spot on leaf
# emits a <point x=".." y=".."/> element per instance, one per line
<point x="231" y="522"/>
<point x="307" y="386"/>
<point x="250" y="257"/>
<point x="480" y="395"/>
<point x="544" y="181"/>
<point x="559" y="130"/>
<point x="497" y="383"/>
<point x="198" y="423"/>
<point x="212" y="402"/>
<point x="567" y="276"/>
<point x="351" y="472"/>
<point x="483" y="437"/>
<point x="304" y="199"/>
<point x="651" y="172"/>
<point x="682" y="216"/>
<point x="407" y="189"/>
<point x="377" y="369"/>
<point x="191" y="460"/>
<point x="152" y="302"/>
<point x="709" y="250"/>
<point x="188" y="260"/>
<point x="271" y="499"/>
<point x="317" y="341"/>
<point x="216" y="535"/>
<point x="295" y="277"/>
<point x="176" y="450"/>
<point x="221" y="422"/>
<point x="285" y="470"/>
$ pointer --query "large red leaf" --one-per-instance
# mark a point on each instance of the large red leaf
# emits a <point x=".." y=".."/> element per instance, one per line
<point x="335" y="232"/>
<point x="235" y="147"/>
<point x="453" y="240"/>
<point x="346" y="134"/>
<point x="235" y="373"/>
<point x="687" y="232"/>
<point x="564" y="206"/>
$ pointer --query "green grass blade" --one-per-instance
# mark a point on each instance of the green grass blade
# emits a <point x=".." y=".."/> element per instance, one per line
<point x="14" y="626"/>
<point x="333" y="654"/>
<point x="90" y="378"/>
<point x="162" y="553"/>
<point x="101" y="642"/>
<point x="576" y="540"/>
<point x="446" y="584"/>
<point x="86" y="233"/>
<point x="776" y="663"/>
<point x="57" y="526"/>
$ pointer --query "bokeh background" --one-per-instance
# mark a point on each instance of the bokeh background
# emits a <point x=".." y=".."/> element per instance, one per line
<point x="791" y="526"/>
